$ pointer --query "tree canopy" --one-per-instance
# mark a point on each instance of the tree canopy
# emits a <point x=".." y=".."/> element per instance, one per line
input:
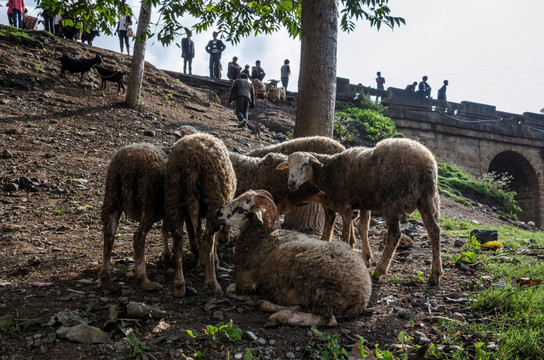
<point x="234" y="19"/>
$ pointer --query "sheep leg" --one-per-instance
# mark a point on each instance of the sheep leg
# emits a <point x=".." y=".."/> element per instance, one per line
<point x="179" y="280"/>
<point x="364" y="223"/>
<point x="207" y="257"/>
<point x="110" y="220"/>
<point x="391" y="243"/>
<point x="139" y="254"/>
<point x="433" y="229"/>
<point x="328" y="227"/>
<point x="347" y="223"/>
<point x="166" y="256"/>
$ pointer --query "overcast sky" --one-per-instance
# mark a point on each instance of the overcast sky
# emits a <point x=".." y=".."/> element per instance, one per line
<point x="491" y="51"/>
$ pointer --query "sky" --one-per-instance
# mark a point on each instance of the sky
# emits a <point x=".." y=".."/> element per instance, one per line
<point x="490" y="51"/>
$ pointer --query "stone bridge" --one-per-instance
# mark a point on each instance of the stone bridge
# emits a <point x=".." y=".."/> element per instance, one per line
<point x="476" y="137"/>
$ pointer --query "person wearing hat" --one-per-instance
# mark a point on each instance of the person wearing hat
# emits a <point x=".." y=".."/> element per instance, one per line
<point x="257" y="71"/>
<point x="285" y="71"/>
<point x="233" y="70"/>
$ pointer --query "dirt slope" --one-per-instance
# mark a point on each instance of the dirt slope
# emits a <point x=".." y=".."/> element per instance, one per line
<point x="56" y="139"/>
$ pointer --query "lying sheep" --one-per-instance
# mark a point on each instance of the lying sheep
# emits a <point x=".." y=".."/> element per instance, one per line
<point x="279" y="94"/>
<point x="287" y="268"/>
<point x="317" y="144"/>
<point x="134" y="186"/>
<point x="77" y="65"/>
<point x="199" y="180"/>
<point x="397" y="176"/>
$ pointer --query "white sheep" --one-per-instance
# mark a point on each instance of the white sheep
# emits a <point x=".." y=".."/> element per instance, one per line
<point x="260" y="88"/>
<point x="199" y="180"/>
<point x="396" y="177"/>
<point x="328" y="280"/>
<point x="134" y="186"/>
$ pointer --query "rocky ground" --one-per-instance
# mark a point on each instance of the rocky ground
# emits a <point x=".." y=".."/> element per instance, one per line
<point x="56" y="139"/>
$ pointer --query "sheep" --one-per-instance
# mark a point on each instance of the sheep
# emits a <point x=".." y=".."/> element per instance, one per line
<point x="111" y="75"/>
<point x="327" y="280"/>
<point x="134" y="186"/>
<point x="279" y="94"/>
<point x="199" y="180"/>
<point x="260" y="88"/>
<point x="318" y="144"/>
<point x="77" y="65"/>
<point x="397" y="176"/>
<point x="89" y="35"/>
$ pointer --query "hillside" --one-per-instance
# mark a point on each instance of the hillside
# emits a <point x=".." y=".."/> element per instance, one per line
<point x="56" y="139"/>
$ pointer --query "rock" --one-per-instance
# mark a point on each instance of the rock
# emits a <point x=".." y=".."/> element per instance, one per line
<point x="11" y="132"/>
<point x="27" y="183"/>
<point x="6" y="154"/>
<point x="149" y="133"/>
<point x="141" y="310"/>
<point x="458" y="243"/>
<point x="218" y="314"/>
<point x="459" y="317"/>
<point x="12" y="187"/>
<point x="87" y="334"/>
<point x="405" y="241"/>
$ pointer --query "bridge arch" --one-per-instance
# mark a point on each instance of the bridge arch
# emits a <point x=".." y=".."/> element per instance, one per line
<point x="524" y="182"/>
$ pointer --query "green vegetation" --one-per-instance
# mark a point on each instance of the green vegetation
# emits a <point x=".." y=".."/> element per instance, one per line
<point x="507" y="304"/>
<point x="489" y="189"/>
<point x="367" y="122"/>
<point x="216" y="337"/>
<point x="138" y="347"/>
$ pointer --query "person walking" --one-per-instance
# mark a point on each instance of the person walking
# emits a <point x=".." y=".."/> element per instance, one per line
<point x="257" y="71"/>
<point x="285" y="72"/>
<point x="442" y="91"/>
<point x="187" y="52"/>
<point x="380" y="81"/>
<point x="215" y="47"/>
<point x="243" y="95"/>
<point x="124" y="23"/>
<point x="17" y="11"/>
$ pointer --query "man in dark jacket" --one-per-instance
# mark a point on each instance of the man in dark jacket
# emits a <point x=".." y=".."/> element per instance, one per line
<point x="215" y="48"/>
<point x="243" y="94"/>
<point x="187" y="52"/>
<point x="257" y="71"/>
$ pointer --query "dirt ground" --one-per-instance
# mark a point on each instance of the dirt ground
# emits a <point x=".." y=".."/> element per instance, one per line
<point x="56" y="139"/>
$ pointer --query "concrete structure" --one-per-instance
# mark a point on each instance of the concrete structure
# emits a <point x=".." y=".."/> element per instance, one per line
<point x="476" y="137"/>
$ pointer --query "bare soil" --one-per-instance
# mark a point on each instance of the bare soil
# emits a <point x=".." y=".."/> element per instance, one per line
<point x="56" y="139"/>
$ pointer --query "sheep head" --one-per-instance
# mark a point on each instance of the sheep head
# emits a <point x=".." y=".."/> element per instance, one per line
<point x="258" y="203"/>
<point x="300" y="165"/>
<point x="183" y="131"/>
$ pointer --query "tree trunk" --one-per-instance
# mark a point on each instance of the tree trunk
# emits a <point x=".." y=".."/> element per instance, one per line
<point x="316" y="91"/>
<point x="138" y="57"/>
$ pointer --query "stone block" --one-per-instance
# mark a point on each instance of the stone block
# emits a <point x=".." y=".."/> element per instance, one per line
<point x="477" y="110"/>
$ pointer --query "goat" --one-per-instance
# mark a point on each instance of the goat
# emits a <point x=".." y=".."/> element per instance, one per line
<point x="78" y="65"/>
<point x="111" y="75"/>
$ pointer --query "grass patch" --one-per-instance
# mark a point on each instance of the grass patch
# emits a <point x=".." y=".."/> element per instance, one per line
<point x="507" y="304"/>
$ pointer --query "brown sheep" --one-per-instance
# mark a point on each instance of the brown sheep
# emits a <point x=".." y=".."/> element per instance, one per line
<point x="134" y="186"/>
<point x="287" y="268"/>
<point x="397" y="176"/>
<point x="199" y="180"/>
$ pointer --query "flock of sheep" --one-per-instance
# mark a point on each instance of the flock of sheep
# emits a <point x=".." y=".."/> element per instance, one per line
<point x="304" y="281"/>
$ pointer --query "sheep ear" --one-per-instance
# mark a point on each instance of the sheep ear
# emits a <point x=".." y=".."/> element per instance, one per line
<point x="259" y="215"/>
<point x="282" y="166"/>
<point x="264" y="193"/>
<point x="177" y="134"/>
<point x="314" y="161"/>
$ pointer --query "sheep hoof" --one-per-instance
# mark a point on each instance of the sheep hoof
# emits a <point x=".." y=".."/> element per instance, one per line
<point x="167" y="259"/>
<point x="106" y="283"/>
<point x="179" y="291"/>
<point x="214" y="288"/>
<point x="148" y="285"/>
<point x="434" y="280"/>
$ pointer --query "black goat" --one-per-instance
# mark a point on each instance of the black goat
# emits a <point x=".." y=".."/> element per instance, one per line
<point x="76" y="65"/>
<point x="111" y="75"/>
<point x="89" y="36"/>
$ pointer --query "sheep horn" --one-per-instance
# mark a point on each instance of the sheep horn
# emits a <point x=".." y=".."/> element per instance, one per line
<point x="264" y="193"/>
<point x="266" y="204"/>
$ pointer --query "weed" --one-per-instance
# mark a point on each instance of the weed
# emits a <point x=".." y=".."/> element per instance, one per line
<point x="324" y="346"/>
<point x="169" y="97"/>
<point x="419" y="277"/>
<point x="138" y="347"/>
<point x="216" y="336"/>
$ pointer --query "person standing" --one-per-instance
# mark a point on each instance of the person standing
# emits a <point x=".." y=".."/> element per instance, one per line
<point x="17" y="10"/>
<point x="285" y="72"/>
<point x="442" y="91"/>
<point x="187" y="52"/>
<point x="380" y="81"/>
<point x="10" y="14"/>
<point x="122" y="26"/>
<point x="245" y="71"/>
<point x="424" y="87"/>
<point x="257" y="71"/>
<point x="243" y="95"/>
<point x="233" y="69"/>
<point x="215" y="47"/>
